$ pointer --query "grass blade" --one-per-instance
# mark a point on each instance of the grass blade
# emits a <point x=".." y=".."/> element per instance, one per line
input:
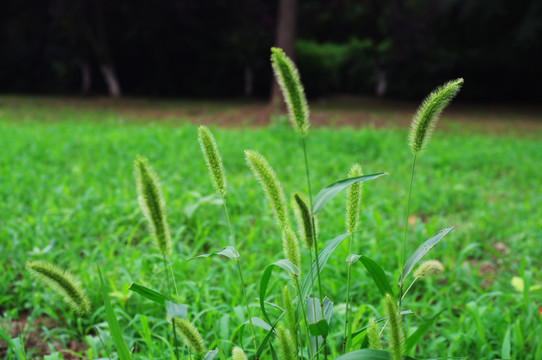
<point x="120" y="345"/>
<point x="379" y="276"/>
<point x="331" y="190"/>
<point x="149" y="294"/>
<point x="413" y="339"/>
<point x="421" y="251"/>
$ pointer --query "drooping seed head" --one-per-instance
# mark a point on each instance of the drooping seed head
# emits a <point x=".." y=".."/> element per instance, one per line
<point x="395" y="326"/>
<point x="288" y="79"/>
<point x="152" y="204"/>
<point x="289" y="309"/>
<point x="373" y="333"/>
<point x="428" y="113"/>
<point x="271" y="186"/>
<point x="429" y="268"/>
<point x="189" y="335"/>
<point x="290" y="247"/>
<point x="63" y="283"/>
<point x="303" y="220"/>
<point x="287" y="346"/>
<point x="238" y="354"/>
<point x="353" y="200"/>
<point x="213" y="160"/>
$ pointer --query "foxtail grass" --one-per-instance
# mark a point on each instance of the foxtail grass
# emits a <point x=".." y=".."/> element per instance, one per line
<point x="286" y="344"/>
<point x="213" y="160"/>
<point x="238" y="354"/>
<point x="353" y="205"/>
<point x="425" y="269"/>
<point x="62" y="282"/>
<point x="290" y="247"/>
<point x="190" y="336"/>
<point x="303" y="220"/>
<point x="395" y="329"/>
<point x="421" y="129"/>
<point x="373" y="334"/>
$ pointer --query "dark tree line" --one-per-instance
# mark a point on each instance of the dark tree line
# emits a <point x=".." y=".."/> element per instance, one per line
<point x="217" y="48"/>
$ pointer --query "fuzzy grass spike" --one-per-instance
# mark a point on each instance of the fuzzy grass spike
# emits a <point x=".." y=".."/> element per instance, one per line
<point x="213" y="160"/>
<point x="287" y="348"/>
<point x="63" y="283"/>
<point x="290" y="247"/>
<point x="395" y="326"/>
<point x="303" y="219"/>
<point x="353" y="200"/>
<point x="429" y="268"/>
<point x="289" y="309"/>
<point x="288" y="79"/>
<point x="373" y="333"/>
<point x="238" y="354"/>
<point x="428" y="113"/>
<point x="271" y="186"/>
<point x="152" y="204"/>
<point x="189" y="335"/>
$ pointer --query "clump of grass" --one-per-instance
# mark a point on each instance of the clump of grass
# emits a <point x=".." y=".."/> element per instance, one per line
<point x="63" y="283"/>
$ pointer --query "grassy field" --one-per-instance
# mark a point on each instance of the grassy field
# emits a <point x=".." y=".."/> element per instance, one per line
<point x="68" y="196"/>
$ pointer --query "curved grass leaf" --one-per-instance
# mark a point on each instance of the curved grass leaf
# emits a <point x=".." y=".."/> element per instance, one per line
<point x="418" y="334"/>
<point x="229" y="251"/>
<point x="352" y="258"/>
<point x="330" y="191"/>
<point x="378" y="275"/>
<point x="261" y="348"/>
<point x="323" y="257"/>
<point x="14" y="344"/>
<point x="147" y="293"/>
<point x="114" y="327"/>
<point x="421" y="251"/>
<point x="359" y="331"/>
<point x="258" y="322"/>
<point x="264" y="281"/>
<point x="211" y="354"/>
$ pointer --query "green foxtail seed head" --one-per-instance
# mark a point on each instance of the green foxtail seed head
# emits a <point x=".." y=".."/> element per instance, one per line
<point x="189" y="335"/>
<point x="63" y="283"/>
<point x="290" y="247"/>
<point x="353" y="200"/>
<point x="373" y="333"/>
<point x="428" y="268"/>
<point x="428" y="113"/>
<point x="152" y="204"/>
<point x="238" y="354"/>
<point x="287" y="347"/>
<point x="395" y="326"/>
<point x="289" y="309"/>
<point x="303" y="219"/>
<point x="292" y="90"/>
<point x="213" y="159"/>
<point x="271" y="186"/>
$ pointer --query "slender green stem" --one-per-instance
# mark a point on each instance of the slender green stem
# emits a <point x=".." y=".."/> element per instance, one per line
<point x="302" y="304"/>
<point x="175" y="339"/>
<point x="312" y="297"/>
<point x="405" y="232"/>
<point x="229" y="222"/>
<point x="406" y="291"/>
<point x="347" y="316"/>
<point x="167" y="274"/>
<point x="248" y="307"/>
<point x="102" y="342"/>
<point x="320" y="293"/>
<point x="173" y="277"/>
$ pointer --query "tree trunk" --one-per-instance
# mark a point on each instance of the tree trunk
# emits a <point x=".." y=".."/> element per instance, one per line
<point x="285" y="39"/>
<point x="86" y="79"/>
<point x="110" y="77"/>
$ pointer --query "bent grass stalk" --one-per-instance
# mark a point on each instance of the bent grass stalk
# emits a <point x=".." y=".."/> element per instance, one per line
<point x="353" y="204"/>
<point x="215" y="165"/>
<point x="421" y="129"/>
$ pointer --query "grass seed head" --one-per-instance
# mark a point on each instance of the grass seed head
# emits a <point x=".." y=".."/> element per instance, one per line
<point x="353" y="200"/>
<point x="63" y="283"/>
<point x="288" y="79"/>
<point x="428" y="113"/>
<point x="429" y="268"/>
<point x="289" y="309"/>
<point x="152" y="204"/>
<point x="189" y="335"/>
<point x="395" y="326"/>
<point x="287" y="347"/>
<point x="303" y="219"/>
<point x="213" y="159"/>
<point x="290" y="247"/>
<point x="271" y="186"/>
<point x="238" y="354"/>
<point x="373" y="333"/>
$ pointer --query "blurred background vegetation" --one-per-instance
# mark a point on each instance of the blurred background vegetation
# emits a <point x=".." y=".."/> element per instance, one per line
<point x="217" y="48"/>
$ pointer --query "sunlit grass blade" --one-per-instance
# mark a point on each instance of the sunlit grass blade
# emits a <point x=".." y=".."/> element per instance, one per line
<point x="378" y="275"/>
<point x="114" y="327"/>
<point x="150" y="294"/>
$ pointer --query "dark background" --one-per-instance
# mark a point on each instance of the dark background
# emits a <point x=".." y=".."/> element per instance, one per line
<point x="216" y="48"/>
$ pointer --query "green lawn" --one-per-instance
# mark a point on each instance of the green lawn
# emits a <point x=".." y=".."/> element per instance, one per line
<point x="68" y="196"/>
